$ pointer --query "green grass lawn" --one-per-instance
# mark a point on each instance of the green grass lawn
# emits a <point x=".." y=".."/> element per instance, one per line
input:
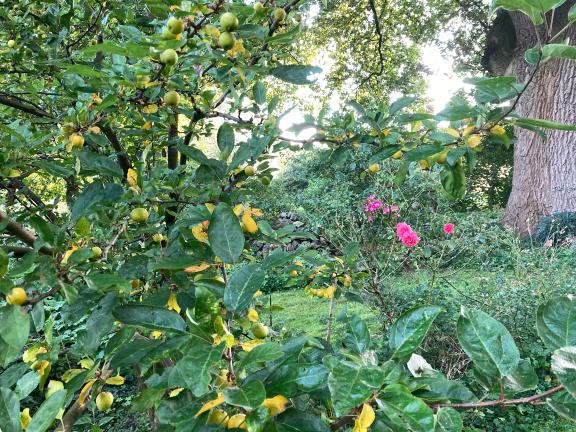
<point x="302" y="313"/>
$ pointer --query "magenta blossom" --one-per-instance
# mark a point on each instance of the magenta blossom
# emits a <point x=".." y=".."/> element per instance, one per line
<point x="449" y="228"/>
<point x="407" y="235"/>
<point x="402" y="228"/>
<point x="372" y="204"/>
<point x="410" y="239"/>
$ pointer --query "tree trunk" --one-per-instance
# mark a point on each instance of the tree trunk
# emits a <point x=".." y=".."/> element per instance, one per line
<point x="544" y="179"/>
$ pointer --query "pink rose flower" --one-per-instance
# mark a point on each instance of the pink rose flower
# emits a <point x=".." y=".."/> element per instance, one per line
<point x="402" y="228"/>
<point x="449" y="228"/>
<point x="386" y="210"/>
<point x="410" y="239"/>
<point x="394" y="208"/>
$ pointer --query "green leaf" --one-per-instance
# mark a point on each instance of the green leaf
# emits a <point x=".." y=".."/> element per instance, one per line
<point x="249" y="396"/>
<point x="47" y="412"/>
<point x="385" y="153"/>
<point x="457" y="111"/>
<point x="487" y="343"/>
<point x="150" y="317"/>
<point x="225" y="234"/>
<point x="147" y="399"/>
<point x="293" y="420"/>
<point x="564" y="366"/>
<point x="448" y="420"/>
<point x="14" y="326"/>
<point x="523" y="378"/>
<point x="357" y="335"/>
<point x="93" y="163"/>
<point x="453" y="181"/>
<point x="259" y="93"/>
<point x="572" y="13"/>
<point x="563" y="404"/>
<point x="4" y="260"/>
<point x="261" y="354"/>
<point x="529" y="122"/>
<point x="408" y="332"/>
<point x="435" y="387"/>
<point x="132" y="352"/>
<point x="241" y="287"/>
<point x="225" y="138"/>
<point x="562" y="51"/>
<point x="401" y="104"/>
<point x="405" y="410"/>
<point x="495" y="90"/>
<point x="351" y="384"/>
<point x="193" y="370"/>
<point x="422" y="152"/>
<point x="529" y="7"/>
<point x="9" y="411"/>
<point x="99" y="324"/>
<point x="296" y="74"/>
<point x="27" y="384"/>
<point x="556" y="322"/>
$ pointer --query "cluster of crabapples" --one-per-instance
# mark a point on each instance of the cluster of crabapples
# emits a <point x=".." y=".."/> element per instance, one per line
<point x="326" y="292"/>
<point x="470" y="136"/>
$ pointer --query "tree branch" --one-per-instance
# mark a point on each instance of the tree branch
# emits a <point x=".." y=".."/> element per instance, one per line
<point x="24" y="106"/>
<point x="22" y="233"/>
<point x="531" y="400"/>
<point x="123" y="160"/>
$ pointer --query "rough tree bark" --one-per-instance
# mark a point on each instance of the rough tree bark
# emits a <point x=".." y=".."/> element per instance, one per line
<point x="544" y="179"/>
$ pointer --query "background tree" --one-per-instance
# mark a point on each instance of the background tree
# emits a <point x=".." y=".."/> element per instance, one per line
<point x="544" y="179"/>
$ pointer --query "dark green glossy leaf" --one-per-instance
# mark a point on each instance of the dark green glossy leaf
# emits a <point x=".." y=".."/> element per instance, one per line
<point x="296" y="74"/>
<point x="403" y="409"/>
<point x="351" y="384"/>
<point x="225" y="234"/>
<point x="564" y="404"/>
<point x="261" y="354"/>
<point x="293" y="420"/>
<point x="225" y="138"/>
<point x="47" y="412"/>
<point x="453" y="181"/>
<point x="448" y="420"/>
<point x="193" y="370"/>
<point x="564" y="366"/>
<point x="259" y="93"/>
<point x="150" y="317"/>
<point x="249" y="396"/>
<point x="487" y="343"/>
<point x="547" y="124"/>
<point x="241" y="287"/>
<point x="556" y="322"/>
<point x="9" y="411"/>
<point x="523" y="378"/>
<point x="408" y="332"/>
<point x="357" y="335"/>
<point x="14" y="326"/>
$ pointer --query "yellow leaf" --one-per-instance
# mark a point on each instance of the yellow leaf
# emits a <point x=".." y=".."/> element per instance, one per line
<point x="474" y="140"/>
<point x="199" y="233"/>
<point x="150" y="109"/>
<point x="238" y="209"/>
<point x="253" y="315"/>
<point x="68" y="253"/>
<point x="251" y="344"/>
<point x="209" y="405"/>
<point x="25" y="418"/>
<point x="237" y="421"/>
<point x="365" y="419"/>
<point x="86" y="363"/>
<point x="132" y="177"/>
<point x="147" y="125"/>
<point x="257" y="212"/>
<point x="173" y="303"/>
<point x="30" y="354"/>
<point x="210" y="207"/>
<point x="176" y="392"/>
<point x="237" y="50"/>
<point x="156" y="334"/>
<point x="115" y="380"/>
<point x="497" y="130"/>
<point x="258" y="294"/>
<point x="197" y="268"/>
<point x="329" y="292"/>
<point x="229" y="339"/>
<point x="53" y="387"/>
<point x="85" y="391"/>
<point x="276" y="405"/>
<point x="451" y="131"/>
<point x="468" y="130"/>
<point x="248" y="222"/>
<point x="71" y="373"/>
